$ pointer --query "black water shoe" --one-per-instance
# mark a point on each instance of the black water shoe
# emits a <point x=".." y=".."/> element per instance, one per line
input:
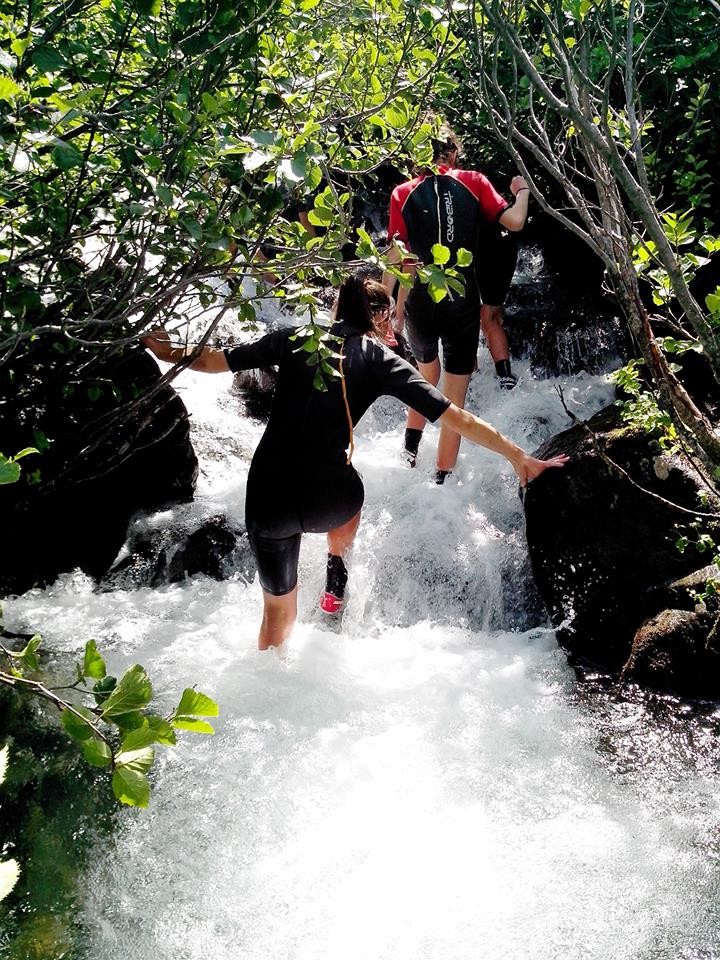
<point x="411" y="444"/>
<point x="333" y="600"/>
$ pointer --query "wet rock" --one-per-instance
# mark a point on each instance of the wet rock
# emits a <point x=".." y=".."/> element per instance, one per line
<point x="682" y="594"/>
<point x="600" y="546"/>
<point x="116" y="444"/>
<point x="560" y="329"/>
<point x="255" y="389"/>
<point x="216" y="548"/>
<point x="677" y="651"/>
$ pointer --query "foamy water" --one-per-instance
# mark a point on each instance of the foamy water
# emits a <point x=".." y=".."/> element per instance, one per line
<point x="423" y="785"/>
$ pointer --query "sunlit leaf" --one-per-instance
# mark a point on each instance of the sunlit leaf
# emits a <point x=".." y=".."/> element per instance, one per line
<point x="93" y="663"/>
<point x="196" y="704"/>
<point x="75" y="725"/>
<point x="133" y="692"/>
<point x="97" y="752"/>
<point x="131" y="787"/>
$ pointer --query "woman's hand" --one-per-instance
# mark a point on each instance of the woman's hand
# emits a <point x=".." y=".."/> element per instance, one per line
<point x="517" y="184"/>
<point x="158" y="342"/>
<point x="528" y="468"/>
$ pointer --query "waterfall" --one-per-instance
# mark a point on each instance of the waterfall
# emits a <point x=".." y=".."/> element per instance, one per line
<point x="427" y="782"/>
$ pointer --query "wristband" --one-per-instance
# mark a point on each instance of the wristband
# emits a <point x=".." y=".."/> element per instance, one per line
<point x="521" y="190"/>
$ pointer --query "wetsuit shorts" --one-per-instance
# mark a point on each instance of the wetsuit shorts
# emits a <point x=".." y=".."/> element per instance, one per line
<point x="455" y="325"/>
<point x="495" y="260"/>
<point x="281" y="505"/>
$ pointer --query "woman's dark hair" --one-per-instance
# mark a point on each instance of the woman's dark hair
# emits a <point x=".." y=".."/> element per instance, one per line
<point x="377" y="294"/>
<point x="353" y="304"/>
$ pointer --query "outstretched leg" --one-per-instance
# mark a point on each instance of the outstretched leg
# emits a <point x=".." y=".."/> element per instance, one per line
<point x="491" y="321"/>
<point x="455" y="387"/>
<point x="342" y="538"/>
<point x="279" y="616"/>
<point x="339" y="542"/>
<point x="416" y="422"/>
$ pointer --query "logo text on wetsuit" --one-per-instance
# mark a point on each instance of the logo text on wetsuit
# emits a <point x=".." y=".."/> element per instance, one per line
<point x="450" y="218"/>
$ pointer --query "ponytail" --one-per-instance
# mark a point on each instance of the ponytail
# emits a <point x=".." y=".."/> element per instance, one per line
<point x="353" y="305"/>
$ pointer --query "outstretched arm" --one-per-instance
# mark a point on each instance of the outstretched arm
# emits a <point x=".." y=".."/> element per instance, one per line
<point x="471" y="427"/>
<point x="208" y="360"/>
<point x="515" y="216"/>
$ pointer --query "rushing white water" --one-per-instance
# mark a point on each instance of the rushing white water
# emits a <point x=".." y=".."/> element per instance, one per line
<point x="422" y="785"/>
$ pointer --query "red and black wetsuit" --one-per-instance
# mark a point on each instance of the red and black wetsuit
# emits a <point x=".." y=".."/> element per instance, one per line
<point x="299" y="479"/>
<point x="447" y="208"/>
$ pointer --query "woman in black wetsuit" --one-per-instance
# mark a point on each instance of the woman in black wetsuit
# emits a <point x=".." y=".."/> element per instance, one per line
<point x="301" y="479"/>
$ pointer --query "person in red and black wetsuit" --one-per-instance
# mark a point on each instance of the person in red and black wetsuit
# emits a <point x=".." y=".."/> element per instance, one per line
<point x="301" y="479"/>
<point x="447" y="207"/>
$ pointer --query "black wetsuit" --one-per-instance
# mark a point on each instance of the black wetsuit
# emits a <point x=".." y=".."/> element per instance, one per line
<point x="299" y="479"/>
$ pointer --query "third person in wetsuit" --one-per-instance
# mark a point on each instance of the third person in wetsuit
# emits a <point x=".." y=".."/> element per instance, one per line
<point x="301" y="478"/>
<point x="446" y="205"/>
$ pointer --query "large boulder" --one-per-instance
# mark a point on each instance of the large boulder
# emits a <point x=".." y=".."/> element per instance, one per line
<point x="603" y="543"/>
<point x="110" y="446"/>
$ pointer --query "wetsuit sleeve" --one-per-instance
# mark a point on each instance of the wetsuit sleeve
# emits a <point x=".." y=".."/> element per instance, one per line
<point x="491" y="203"/>
<point x="397" y="228"/>
<point x="266" y="352"/>
<point x="397" y="378"/>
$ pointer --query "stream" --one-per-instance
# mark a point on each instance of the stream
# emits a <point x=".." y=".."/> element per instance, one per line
<point x="430" y="781"/>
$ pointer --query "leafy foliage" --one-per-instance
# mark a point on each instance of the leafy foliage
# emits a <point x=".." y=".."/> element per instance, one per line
<point x="112" y="722"/>
<point x="155" y="156"/>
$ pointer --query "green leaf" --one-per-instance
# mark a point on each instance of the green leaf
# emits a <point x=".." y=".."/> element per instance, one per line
<point x="192" y="723"/>
<point x="77" y="728"/>
<point x="441" y="254"/>
<point x="712" y="301"/>
<point x="93" y="663"/>
<point x="131" y="787"/>
<point x="97" y="752"/>
<point x="9" y="873"/>
<point x="9" y="89"/>
<point x="196" y="704"/>
<point x="436" y="292"/>
<point x="162" y="731"/>
<point x="9" y="471"/>
<point x="133" y="692"/>
<point x="165" y="194"/>
<point x="103" y="688"/>
<point x="66" y="156"/>
<point x="320" y="216"/>
<point x="149" y="8"/>
<point x="153" y="730"/>
<point x="464" y="257"/>
<point x="47" y="59"/>
<point x="139" y="759"/>
<point x="209" y="103"/>
<point x="26" y="451"/>
<point x="194" y="229"/>
<point x="19" y="46"/>
<point x="29" y="654"/>
<point x="125" y="722"/>
<point x="256" y="159"/>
